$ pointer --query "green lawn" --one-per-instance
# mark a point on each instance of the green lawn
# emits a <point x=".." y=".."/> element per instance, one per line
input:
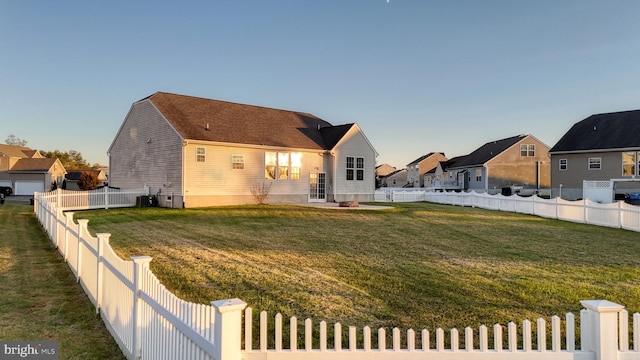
<point x="39" y="297"/>
<point x="417" y="266"/>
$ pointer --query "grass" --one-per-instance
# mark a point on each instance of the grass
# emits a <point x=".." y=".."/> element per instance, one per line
<point x="39" y="297"/>
<point x="417" y="266"/>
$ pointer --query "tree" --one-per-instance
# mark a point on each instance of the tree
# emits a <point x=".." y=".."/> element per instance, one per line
<point x="15" y="141"/>
<point x="71" y="160"/>
<point x="88" y="181"/>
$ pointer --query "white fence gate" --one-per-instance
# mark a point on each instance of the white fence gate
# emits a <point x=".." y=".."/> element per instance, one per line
<point x="149" y="322"/>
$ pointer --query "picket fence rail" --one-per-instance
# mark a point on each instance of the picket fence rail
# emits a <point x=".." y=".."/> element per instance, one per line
<point x="617" y="215"/>
<point x="103" y="198"/>
<point x="149" y="322"/>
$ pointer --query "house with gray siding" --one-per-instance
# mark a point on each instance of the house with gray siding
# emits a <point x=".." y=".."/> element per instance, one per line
<point x="194" y="152"/>
<point x="520" y="162"/>
<point x="601" y="147"/>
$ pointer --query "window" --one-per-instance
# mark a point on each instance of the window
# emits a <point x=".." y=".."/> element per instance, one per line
<point x="595" y="163"/>
<point x="270" y="161"/>
<point x="200" y="154"/>
<point x="296" y="164"/>
<point x="528" y="150"/>
<point x="350" y="167"/>
<point x="237" y="162"/>
<point x="630" y="162"/>
<point x="282" y="165"/>
<point x="355" y="168"/>
<point x="478" y="175"/>
<point x="360" y="168"/>
<point x="563" y="164"/>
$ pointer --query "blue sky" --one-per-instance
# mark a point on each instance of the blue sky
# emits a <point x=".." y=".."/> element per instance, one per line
<point x="417" y="75"/>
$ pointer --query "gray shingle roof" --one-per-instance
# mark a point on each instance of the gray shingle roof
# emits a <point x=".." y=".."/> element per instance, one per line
<point x="617" y="130"/>
<point x="246" y="124"/>
<point x="484" y="153"/>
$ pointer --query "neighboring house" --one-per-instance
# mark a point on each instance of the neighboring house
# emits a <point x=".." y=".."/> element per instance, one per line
<point x="397" y="178"/>
<point x="441" y="179"/>
<point x="194" y="152"/>
<point x="602" y="147"/>
<point x="26" y="171"/>
<point x="421" y="166"/>
<point x="73" y="176"/>
<point x="382" y="171"/>
<point x="518" y="162"/>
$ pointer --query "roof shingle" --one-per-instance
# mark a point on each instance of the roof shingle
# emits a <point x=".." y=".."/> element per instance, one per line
<point x="220" y="121"/>
<point x="618" y="130"/>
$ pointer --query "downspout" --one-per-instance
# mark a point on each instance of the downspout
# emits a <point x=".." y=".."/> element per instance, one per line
<point x="182" y="173"/>
<point x="486" y="180"/>
<point x="334" y="166"/>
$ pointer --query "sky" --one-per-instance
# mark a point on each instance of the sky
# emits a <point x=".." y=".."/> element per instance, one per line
<point x="418" y="76"/>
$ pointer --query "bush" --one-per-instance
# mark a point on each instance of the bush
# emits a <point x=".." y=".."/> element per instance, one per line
<point x="88" y="181"/>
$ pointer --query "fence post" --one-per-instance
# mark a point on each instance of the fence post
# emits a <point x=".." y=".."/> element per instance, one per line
<point x="602" y="323"/>
<point x="59" y="197"/>
<point x="227" y="328"/>
<point x="619" y="214"/>
<point x="103" y="242"/>
<point x="140" y="263"/>
<point x="106" y="197"/>
<point x="68" y="221"/>
<point x="82" y="225"/>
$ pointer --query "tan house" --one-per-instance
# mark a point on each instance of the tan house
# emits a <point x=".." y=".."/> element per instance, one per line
<point x="417" y="169"/>
<point x="194" y="152"/>
<point x="519" y="163"/>
<point x="26" y="171"/>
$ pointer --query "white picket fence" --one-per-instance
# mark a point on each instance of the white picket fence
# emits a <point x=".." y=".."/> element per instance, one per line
<point x="149" y="322"/>
<point x="103" y="198"/>
<point x="616" y="215"/>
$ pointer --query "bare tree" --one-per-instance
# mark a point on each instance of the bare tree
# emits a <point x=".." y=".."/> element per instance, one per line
<point x="260" y="192"/>
<point x="15" y="141"/>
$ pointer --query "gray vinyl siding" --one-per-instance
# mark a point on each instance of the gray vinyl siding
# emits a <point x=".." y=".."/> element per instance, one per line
<point x="578" y="170"/>
<point x="146" y="151"/>
<point x="354" y="144"/>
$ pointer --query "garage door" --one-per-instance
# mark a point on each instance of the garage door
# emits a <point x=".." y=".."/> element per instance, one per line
<point x="28" y="187"/>
<point x="6" y="183"/>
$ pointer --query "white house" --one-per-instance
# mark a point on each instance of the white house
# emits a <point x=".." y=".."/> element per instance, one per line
<point x="195" y="152"/>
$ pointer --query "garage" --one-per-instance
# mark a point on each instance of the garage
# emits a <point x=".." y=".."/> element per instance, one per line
<point x="25" y="187"/>
<point x="6" y="183"/>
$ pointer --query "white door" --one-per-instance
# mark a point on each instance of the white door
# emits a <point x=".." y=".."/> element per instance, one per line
<point x="26" y="187"/>
<point x="317" y="187"/>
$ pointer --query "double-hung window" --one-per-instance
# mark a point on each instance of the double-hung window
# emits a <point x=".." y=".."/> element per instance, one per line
<point x="355" y="168"/>
<point x="478" y="175"/>
<point x="630" y="162"/>
<point x="595" y="163"/>
<point x="563" y="164"/>
<point x="237" y="162"/>
<point x="200" y="154"/>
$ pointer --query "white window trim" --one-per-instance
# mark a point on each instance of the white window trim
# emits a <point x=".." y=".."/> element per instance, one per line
<point x="204" y="154"/>
<point x="356" y="169"/>
<point x="234" y="158"/>
<point x="599" y="159"/>
<point x="566" y="164"/>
